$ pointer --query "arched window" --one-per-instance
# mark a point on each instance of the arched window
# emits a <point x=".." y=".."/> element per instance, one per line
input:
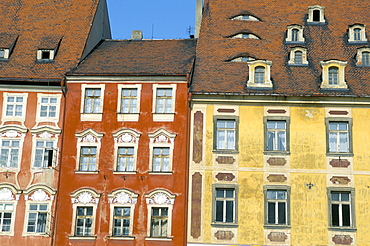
<point x="357" y="34"/>
<point x="316" y="15"/>
<point x="298" y="57"/>
<point x="295" y="33"/>
<point x="333" y="75"/>
<point x="366" y="58"/>
<point x="259" y="75"/>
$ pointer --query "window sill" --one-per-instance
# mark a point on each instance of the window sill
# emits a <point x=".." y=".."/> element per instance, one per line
<point x="158" y="238"/>
<point x="315" y="23"/>
<point x="163" y="117"/>
<point x="27" y="234"/>
<point x="161" y="173"/>
<point x="124" y="172"/>
<point x="346" y="229"/>
<point x="357" y="42"/>
<point x="273" y="152"/>
<point x="91" y="116"/>
<point x="128" y="238"/>
<point x="82" y="237"/>
<point x="297" y="65"/>
<point x="277" y="227"/>
<point x="222" y="151"/>
<point x="294" y="42"/>
<point x="224" y="225"/>
<point x="339" y="154"/>
<point x="128" y="116"/>
<point x="86" y="172"/>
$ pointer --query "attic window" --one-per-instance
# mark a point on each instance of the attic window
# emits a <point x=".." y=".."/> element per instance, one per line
<point x="45" y="55"/>
<point x="333" y="74"/>
<point x="245" y="17"/>
<point x="363" y="57"/>
<point x="242" y="59"/>
<point x="298" y="56"/>
<point x="4" y="53"/>
<point x="316" y="15"/>
<point x="259" y="74"/>
<point x="356" y="33"/>
<point x="294" y="34"/>
<point x="245" y="36"/>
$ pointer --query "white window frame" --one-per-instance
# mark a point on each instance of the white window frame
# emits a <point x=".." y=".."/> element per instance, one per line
<point x="160" y="199"/>
<point x="128" y="116"/>
<point x="289" y="38"/>
<point x="161" y="139"/>
<point x="9" y="195"/>
<point x="92" y="116"/>
<point x="6" y="53"/>
<point x="88" y="138"/>
<point x="40" y="53"/>
<point x="311" y="10"/>
<point x="359" y="56"/>
<point x="126" y="138"/>
<point x="27" y="218"/>
<point x="20" y="118"/>
<point x="351" y="33"/>
<point x="122" y="198"/>
<point x="45" y="134"/>
<point x="164" y="116"/>
<point x="342" y="84"/>
<point x="84" y="198"/>
<point x="13" y="133"/>
<point x="245" y="36"/>
<point x="251" y="83"/>
<point x="40" y="96"/>
<point x="292" y="55"/>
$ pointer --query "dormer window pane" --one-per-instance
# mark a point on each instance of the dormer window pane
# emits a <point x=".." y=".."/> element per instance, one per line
<point x="295" y="35"/>
<point x="333" y="75"/>
<point x="316" y="15"/>
<point x="298" y="57"/>
<point x="259" y="75"/>
<point x="2" y="53"/>
<point x="45" y="55"/>
<point x="366" y="58"/>
<point x="357" y="34"/>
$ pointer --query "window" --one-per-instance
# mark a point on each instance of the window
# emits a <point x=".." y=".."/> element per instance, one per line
<point x="88" y="158"/>
<point x="357" y="33"/>
<point x="159" y="222"/>
<point x="245" y="17"/>
<point x="10" y="150"/>
<point x="37" y="218"/>
<point x="366" y="58"/>
<point x="298" y="56"/>
<point x="48" y="107"/>
<point x="44" y="153"/>
<point x="161" y="159"/>
<point x="242" y="59"/>
<point x="125" y="159"/>
<point x="160" y="205"/>
<point x="341" y="208"/>
<point x="92" y="101"/>
<point x="226" y="135"/>
<point x="4" y="53"/>
<point x="84" y="220"/>
<point x="259" y="74"/>
<point x="129" y="106"/>
<point x="316" y="15"/>
<point x="333" y="74"/>
<point x="363" y="57"/>
<point x="295" y="34"/>
<point x="224" y="206"/>
<point x="164" y="102"/>
<point x="339" y="137"/>
<point x="245" y="36"/>
<point x="277" y="205"/>
<point x="6" y="216"/>
<point x="45" y="55"/>
<point x="14" y="106"/>
<point x="121" y="221"/>
<point x="276" y="135"/>
<point x="129" y="100"/>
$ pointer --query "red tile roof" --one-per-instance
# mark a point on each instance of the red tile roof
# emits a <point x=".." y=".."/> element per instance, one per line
<point x="214" y="73"/>
<point x="40" y="24"/>
<point x="140" y="57"/>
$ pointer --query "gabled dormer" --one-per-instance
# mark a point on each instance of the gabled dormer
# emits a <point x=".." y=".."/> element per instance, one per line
<point x="316" y="15"/>
<point x="7" y="43"/>
<point x="48" y="48"/>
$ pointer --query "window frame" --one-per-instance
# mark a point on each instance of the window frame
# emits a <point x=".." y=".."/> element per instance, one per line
<point x="125" y="138"/>
<point x="251" y="83"/>
<point x="286" y="119"/>
<point x="311" y="11"/>
<point x="217" y="118"/>
<point x="233" y="187"/>
<point x="9" y="155"/>
<point x="20" y="118"/>
<point x="40" y="104"/>
<point x="290" y="37"/>
<point x="285" y="188"/>
<point x="342" y="84"/>
<point x="292" y="55"/>
<point x="164" y="116"/>
<point x="94" y="116"/>
<point x="88" y="138"/>
<point x="128" y="116"/>
<point x="360" y="57"/>
<point x="161" y="139"/>
<point x="351" y="192"/>
<point x="41" y="52"/>
<point x="243" y="35"/>
<point x="352" y="35"/>
<point x="53" y="148"/>
<point x="242" y="17"/>
<point x="27" y="217"/>
<point x="350" y="144"/>
<point x="12" y="217"/>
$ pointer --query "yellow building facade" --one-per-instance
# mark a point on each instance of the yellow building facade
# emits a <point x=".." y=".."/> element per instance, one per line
<point x="279" y="171"/>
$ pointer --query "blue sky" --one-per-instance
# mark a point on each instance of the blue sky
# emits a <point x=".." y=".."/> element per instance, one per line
<point x="158" y="19"/>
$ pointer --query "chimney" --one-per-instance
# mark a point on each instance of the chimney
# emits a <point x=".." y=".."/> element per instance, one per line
<point x="198" y="16"/>
<point x="137" y="35"/>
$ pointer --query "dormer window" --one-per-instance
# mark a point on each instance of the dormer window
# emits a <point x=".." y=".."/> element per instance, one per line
<point x="294" y="34"/>
<point x="316" y="15"/>
<point x="259" y="74"/>
<point x="356" y="33"/>
<point x="48" y="48"/>
<point x="363" y="57"/>
<point x="245" y="17"/>
<point x="4" y="53"/>
<point x="298" y="56"/>
<point x="245" y="36"/>
<point x="242" y="58"/>
<point x="45" y="55"/>
<point x="333" y="74"/>
<point x="7" y="43"/>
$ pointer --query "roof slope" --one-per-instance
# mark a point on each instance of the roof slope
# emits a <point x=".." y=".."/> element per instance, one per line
<point x="140" y="57"/>
<point x="215" y="74"/>
<point x="40" y="23"/>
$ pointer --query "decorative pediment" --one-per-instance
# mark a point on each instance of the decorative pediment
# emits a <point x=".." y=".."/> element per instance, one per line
<point x="39" y="193"/>
<point x="160" y="197"/>
<point x="126" y="136"/>
<point x="162" y="136"/>
<point x="13" y="131"/>
<point x="85" y="196"/>
<point x="9" y="193"/>
<point x="122" y="197"/>
<point x="45" y="132"/>
<point x="89" y="136"/>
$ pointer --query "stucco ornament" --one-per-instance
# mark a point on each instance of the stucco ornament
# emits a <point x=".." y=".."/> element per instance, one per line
<point x="123" y="198"/>
<point x="126" y="138"/>
<point x="89" y="138"/>
<point x="39" y="196"/>
<point x="6" y="195"/>
<point x="85" y="198"/>
<point x="11" y="134"/>
<point x="160" y="198"/>
<point x="45" y="135"/>
<point x="162" y="139"/>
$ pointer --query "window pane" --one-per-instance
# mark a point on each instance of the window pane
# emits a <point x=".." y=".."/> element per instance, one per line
<point x="346" y="215"/>
<point x="281" y="213"/>
<point x="335" y="214"/>
<point x="219" y="211"/>
<point x="230" y="211"/>
<point x="271" y="213"/>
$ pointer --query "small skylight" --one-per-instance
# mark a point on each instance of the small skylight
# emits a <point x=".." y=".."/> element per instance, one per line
<point x="245" y="18"/>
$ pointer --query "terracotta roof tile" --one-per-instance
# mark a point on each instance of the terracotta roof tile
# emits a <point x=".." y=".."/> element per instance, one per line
<point x="214" y="73"/>
<point x="140" y="57"/>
